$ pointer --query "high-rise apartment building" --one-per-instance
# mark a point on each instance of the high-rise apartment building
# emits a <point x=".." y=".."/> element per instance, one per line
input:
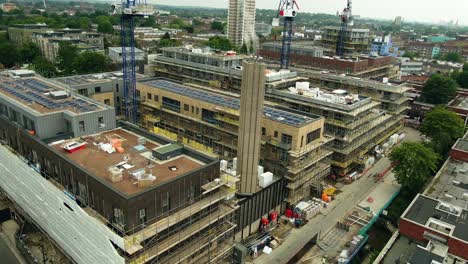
<point x="241" y="21"/>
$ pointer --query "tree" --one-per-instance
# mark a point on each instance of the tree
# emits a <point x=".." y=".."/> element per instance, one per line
<point x="44" y="67"/>
<point x="67" y="54"/>
<point x="244" y="49"/>
<point x="462" y="79"/>
<point x="217" y="25"/>
<point x="443" y="127"/>
<point x="453" y="57"/>
<point x="89" y="62"/>
<point x="411" y="55"/>
<point x="9" y="55"/>
<point x="439" y="89"/>
<point x="105" y="27"/>
<point x="414" y="164"/>
<point x="220" y="43"/>
<point x="28" y="52"/>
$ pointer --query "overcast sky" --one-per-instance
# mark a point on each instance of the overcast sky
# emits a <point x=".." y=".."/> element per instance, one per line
<point x="414" y="10"/>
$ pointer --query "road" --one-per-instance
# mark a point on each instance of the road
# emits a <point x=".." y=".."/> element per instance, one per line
<point x="352" y="194"/>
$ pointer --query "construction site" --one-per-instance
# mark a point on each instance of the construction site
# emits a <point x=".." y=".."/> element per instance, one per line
<point x="354" y="121"/>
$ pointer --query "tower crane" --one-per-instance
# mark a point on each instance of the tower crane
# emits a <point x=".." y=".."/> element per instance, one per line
<point x="287" y="9"/>
<point x="129" y="10"/>
<point x="346" y="21"/>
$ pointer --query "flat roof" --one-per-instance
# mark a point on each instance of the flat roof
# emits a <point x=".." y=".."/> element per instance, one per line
<point x="460" y="102"/>
<point x="89" y="78"/>
<point x="212" y="53"/>
<point x="135" y="157"/>
<point x="34" y="94"/>
<point x="423" y="208"/>
<point x="228" y="102"/>
<point x="461" y="144"/>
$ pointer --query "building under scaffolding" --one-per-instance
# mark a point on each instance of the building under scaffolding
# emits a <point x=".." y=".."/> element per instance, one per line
<point x="212" y="69"/>
<point x="292" y="144"/>
<point x="356" y="122"/>
<point x="158" y="202"/>
<point x="392" y="97"/>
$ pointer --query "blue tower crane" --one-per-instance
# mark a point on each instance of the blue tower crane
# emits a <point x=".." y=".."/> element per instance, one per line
<point x="129" y="10"/>
<point x="287" y="9"/>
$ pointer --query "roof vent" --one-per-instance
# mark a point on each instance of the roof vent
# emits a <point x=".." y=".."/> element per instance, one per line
<point x="57" y="95"/>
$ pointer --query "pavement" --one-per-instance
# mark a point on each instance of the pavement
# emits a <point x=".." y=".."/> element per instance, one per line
<point x="350" y="196"/>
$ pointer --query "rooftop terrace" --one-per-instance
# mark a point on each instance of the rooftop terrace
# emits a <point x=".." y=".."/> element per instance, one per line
<point x="138" y="167"/>
<point x="228" y="102"/>
<point x="35" y="94"/>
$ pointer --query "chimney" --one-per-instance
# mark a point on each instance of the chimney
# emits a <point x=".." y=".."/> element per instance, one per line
<point x="251" y="115"/>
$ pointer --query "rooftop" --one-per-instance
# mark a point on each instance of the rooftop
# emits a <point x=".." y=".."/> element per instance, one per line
<point x="37" y="94"/>
<point x="460" y="102"/>
<point x="228" y="102"/>
<point x="132" y="156"/>
<point x="424" y="208"/>
<point x="89" y="78"/>
<point x="207" y="52"/>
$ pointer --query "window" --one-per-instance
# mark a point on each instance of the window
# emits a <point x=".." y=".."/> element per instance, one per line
<point x="81" y="126"/>
<point x="97" y="89"/>
<point x="156" y="98"/>
<point x="193" y="109"/>
<point x="118" y="100"/>
<point x="83" y="92"/>
<point x="285" y="138"/>
<point x="107" y="101"/>
<point x="142" y="215"/>
<point x="313" y="135"/>
<point x="263" y="131"/>
<point x="165" y="202"/>
<point x="148" y="96"/>
<point x="101" y="122"/>
<point x="276" y="133"/>
<point x="186" y="107"/>
<point x="198" y="110"/>
<point x="116" y="87"/>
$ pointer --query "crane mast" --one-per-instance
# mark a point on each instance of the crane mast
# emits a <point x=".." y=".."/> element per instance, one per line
<point x="129" y="10"/>
<point x="287" y="9"/>
<point x="346" y="21"/>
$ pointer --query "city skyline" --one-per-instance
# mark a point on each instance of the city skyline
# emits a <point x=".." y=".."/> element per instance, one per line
<point x="451" y="10"/>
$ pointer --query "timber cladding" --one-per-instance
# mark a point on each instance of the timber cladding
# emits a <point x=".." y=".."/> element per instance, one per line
<point x="97" y="192"/>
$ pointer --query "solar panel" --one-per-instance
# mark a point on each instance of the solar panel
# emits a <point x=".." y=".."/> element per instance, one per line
<point x="233" y="103"/>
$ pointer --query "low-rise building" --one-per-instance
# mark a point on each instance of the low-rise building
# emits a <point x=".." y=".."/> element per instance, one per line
<point x="408" y="67"/>
<point x="48" y="41"/>
<point x="106" y="88"/>
<point x="22" y="33"/>
<point x="48" y="111"/>
<point x="115" y="54"/>
<point x="357" y="41"/>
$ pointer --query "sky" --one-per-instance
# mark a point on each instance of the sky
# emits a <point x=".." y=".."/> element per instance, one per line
<point x="433" y="11"/>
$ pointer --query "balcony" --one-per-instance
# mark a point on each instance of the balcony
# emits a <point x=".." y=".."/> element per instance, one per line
<point x="321" y="171"/>
<point x="313" y="158"/>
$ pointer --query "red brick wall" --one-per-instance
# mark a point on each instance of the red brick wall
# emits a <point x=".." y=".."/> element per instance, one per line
<point x="458" y="248"/>
<point x="324" y="63"/>
<point x="459" y="155"/>
<point x="379" y="62"/>
<point x="416" y="232"/>
<point x="412" y="230"/>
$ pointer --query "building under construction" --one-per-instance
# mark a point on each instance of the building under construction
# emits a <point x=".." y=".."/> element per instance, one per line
<point x="391" y="96"/>
<point x="356" y="41"/>
<point x="356" y="122"/>
<point x="159" y="201"/>
<point x="218" y="70"/>
<point x="292" y="144"/>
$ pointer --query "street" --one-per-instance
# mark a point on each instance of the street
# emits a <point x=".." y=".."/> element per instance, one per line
<point x="352" y="194"/>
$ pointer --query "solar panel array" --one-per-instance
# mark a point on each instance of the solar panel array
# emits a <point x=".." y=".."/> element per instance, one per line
<point x="33" y="91"/>
<point x="233" y="103"/>
<point x="76" y="80"/>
